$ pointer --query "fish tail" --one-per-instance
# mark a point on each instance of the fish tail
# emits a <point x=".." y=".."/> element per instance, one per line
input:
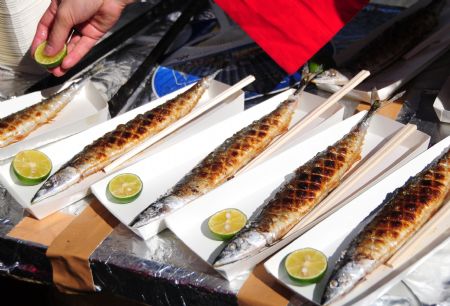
<point x="209" y="78"/>
<point x="307" y="77"/>
<point x="377" y="104"/>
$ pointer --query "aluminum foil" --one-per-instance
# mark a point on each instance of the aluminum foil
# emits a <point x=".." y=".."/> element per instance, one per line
<point x="430" y="282"/>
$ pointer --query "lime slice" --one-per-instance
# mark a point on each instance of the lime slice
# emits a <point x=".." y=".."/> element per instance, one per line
<point x="31" y="167"/>
<point x="306" y="266"/>
<point x="125" y="188"/>
<point x="49" y="61"/>
<point x="226" y="223"/>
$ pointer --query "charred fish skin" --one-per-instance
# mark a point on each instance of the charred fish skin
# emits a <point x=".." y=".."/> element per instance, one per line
<point x="122" y="139"/>
<point x="409" y="208"/>
<point x="222" y="163"/>
<point x="310" y="184"/>
<point x="19" y="125"/>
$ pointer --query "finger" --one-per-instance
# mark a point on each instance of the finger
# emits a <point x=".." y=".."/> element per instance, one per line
<point x="73" y="41"/>
<point x="82" y="47"/>
<point x="58" y="71"/>
<point x="43" y="26"/>
<point x="62" y="25"/>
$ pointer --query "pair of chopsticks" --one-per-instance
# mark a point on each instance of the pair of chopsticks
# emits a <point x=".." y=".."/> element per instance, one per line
<point x="307" y="120"/>
<point x="183" y="121"/>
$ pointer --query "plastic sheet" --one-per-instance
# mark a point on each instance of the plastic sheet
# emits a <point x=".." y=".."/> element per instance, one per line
<point x="162" y="270"/>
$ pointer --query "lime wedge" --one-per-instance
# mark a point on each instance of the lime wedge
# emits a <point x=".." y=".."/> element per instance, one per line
<point x="125" y="188"/>
<point x="306" y="266"/>
<point x="49" y="61"/>
<point x="31" y="167"/>
<point x="226" y="223"/>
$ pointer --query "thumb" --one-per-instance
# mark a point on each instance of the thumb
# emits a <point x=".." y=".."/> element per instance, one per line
<point x="58" y="33"/>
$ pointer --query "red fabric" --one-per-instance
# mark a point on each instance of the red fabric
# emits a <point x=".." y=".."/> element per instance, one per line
<point x="291" y="31"/>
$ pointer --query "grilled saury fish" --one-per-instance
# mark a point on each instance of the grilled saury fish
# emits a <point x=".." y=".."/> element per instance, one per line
<point x="409" y="207"/>
<point x="389" y="46"/>
<point x="310" y="184"/>
<point x="19" y="125"/>
<point x="221" y="164"/>
<point x="112" y="145"/>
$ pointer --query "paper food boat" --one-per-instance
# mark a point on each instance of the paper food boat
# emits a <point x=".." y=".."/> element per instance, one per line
<point x="250" y="190"/>
<point x="88" y="108"/>
<point x="442" y="103"/>
<point x="62" y="151"/>
<point x="341" y="227"/>
<point x="163" y="170"/>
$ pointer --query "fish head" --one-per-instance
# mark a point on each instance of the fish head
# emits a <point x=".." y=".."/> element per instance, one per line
<point x="243" y="245"/>
<point x="61" y="180"/>
<point x="345" y="278"/>
<point x="157" y="210"/>
<point x="331" y="76"/>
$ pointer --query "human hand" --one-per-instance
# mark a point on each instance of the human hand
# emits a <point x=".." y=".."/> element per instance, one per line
<point x="91" y="18"/>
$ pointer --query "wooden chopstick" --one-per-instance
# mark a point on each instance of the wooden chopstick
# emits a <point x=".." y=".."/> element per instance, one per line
<point x="307" y="120"/>
<point x="334" y="201"/>
<point x="183" y="121"/>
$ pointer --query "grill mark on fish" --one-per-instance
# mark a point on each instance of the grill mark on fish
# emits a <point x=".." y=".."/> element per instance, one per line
<point x="406" y="211"/>
<point x="221" y="164"/>
<point x="112" y="145"/>
<point x="309" y="185"/>
<point x="19" y="125"/>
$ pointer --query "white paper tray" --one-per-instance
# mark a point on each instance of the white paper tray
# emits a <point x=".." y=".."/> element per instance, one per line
<point x="163" y="170"/>
<point x="341" y="227"/>
<point x="442" y="103"/>
<point x="87" y="109"/>
<point x="62" y="151"/>
<point x="249" y="191"/>
<point x="398" y="74"/>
